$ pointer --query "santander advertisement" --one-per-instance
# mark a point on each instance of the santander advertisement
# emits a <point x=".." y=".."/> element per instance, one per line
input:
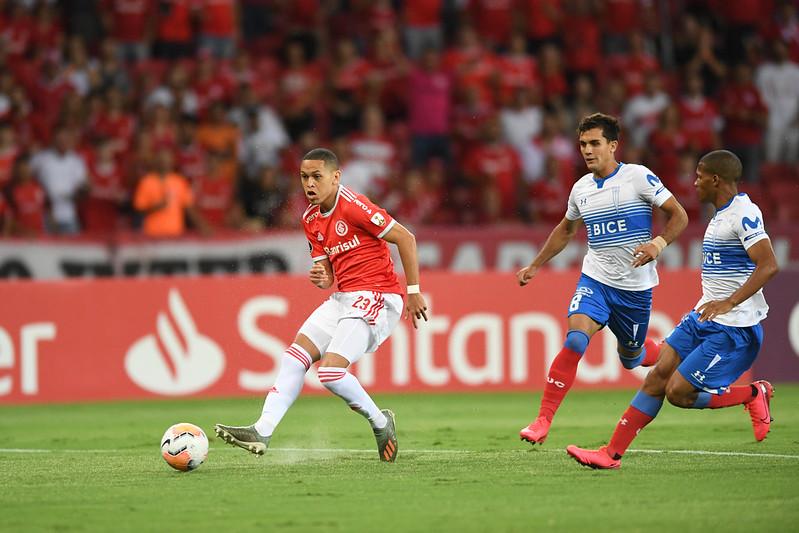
<point x="117" y="339"/>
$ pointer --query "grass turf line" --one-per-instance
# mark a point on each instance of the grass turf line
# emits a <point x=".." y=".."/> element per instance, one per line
<point x="501" y="484"/>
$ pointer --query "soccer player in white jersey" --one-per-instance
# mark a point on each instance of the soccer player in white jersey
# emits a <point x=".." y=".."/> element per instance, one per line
<point x="347" y="236"/>
<point x="614" y="201"/>
<point x="719" y="339"/>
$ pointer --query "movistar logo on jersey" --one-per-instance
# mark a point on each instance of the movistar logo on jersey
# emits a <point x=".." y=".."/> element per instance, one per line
<point x="747" y="222"/>
<point x="343" y="246"/>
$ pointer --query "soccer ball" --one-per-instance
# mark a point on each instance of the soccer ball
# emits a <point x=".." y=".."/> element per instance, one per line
<point x="184" y="446"/>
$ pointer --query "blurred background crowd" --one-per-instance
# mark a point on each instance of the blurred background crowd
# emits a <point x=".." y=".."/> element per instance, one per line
<point x="442" y="111"/>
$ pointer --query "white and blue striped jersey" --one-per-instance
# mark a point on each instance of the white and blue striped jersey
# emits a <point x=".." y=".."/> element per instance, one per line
<point x="617" y="212"/>
<point x="726" y="265"/>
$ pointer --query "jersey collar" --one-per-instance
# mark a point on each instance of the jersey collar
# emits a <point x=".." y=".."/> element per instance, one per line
<point x="725" y="206"/>
<point x="328" y="213"/>
<point x="601" y="181"/>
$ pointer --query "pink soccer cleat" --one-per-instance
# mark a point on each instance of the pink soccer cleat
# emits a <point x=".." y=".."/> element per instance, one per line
<point x="597" y="459"/>
<point x="759" y="409"/>
<point x="536" y="432"/>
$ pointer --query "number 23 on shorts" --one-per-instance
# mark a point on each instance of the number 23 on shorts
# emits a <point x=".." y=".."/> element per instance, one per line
<point x="361" y="303"/>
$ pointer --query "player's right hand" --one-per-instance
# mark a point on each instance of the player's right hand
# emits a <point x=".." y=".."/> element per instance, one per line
<point x="416" y="309"/>
<point x="526" y="274"/>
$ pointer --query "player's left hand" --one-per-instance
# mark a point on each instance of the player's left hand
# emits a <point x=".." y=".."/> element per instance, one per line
<point x="644" y="254"/>
<point x="710" y="310"/>
<point x="416" y="308"/>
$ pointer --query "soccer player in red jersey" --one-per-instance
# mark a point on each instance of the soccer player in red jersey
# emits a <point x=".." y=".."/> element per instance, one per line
<point x="347" y="236"/>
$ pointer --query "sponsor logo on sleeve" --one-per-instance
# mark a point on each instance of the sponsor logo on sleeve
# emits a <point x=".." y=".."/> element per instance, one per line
<point x="378" y="220"/>
<point x="747" y="222"/>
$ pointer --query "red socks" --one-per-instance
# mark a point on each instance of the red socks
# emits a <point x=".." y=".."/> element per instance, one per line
<point x="559" y="381"/>
<point x="631" y="423"/>
<point x="652" y="351"/>
<point x="735" y="396"/>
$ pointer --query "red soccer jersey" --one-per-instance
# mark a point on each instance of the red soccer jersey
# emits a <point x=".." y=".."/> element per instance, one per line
<point x="350" y="236"/>
<point x="29" y="201"/>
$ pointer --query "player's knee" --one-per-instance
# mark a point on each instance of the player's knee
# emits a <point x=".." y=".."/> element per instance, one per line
<point x="657" y="379"/>
<point x="576" y="341"/>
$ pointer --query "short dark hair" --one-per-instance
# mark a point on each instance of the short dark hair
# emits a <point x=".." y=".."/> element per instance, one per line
<point x="611" y="129"/>
<point x="724" y="164"/>
<point x="322" y="154"/>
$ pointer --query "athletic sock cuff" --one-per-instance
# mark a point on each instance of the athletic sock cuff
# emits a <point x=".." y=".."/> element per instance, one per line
<point x="649" y="405"/>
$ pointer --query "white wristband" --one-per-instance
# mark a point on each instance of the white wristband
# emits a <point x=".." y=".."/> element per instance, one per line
<point x="660" y="243"/>
<point x="413" y="289"/>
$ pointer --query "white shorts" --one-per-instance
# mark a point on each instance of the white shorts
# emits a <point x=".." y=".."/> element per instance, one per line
<point x="380" y="311"/>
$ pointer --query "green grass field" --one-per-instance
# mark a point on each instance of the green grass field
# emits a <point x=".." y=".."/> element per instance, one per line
<point x="97" y="467"/>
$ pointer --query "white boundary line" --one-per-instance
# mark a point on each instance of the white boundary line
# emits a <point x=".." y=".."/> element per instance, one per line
<point x="421" y="451"/>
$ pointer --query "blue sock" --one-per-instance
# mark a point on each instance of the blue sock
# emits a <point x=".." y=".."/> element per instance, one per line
<point x="702" y="400"/>
<point x="649" y="405"/>
<point x="631" y="362"/>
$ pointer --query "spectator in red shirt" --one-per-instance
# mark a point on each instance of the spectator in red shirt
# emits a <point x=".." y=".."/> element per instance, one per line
<point x="9" y="150"/>
<point x="700" y="117"/>
<point x="666" y="143"/>
<point x="634" y="66"/>
<point x="190" y="156"/>
<point x="211" y="84"/>
<point x="49" y="91"/>
<point x="18" y="33"/>
<point x="548" y="195"/>
<point x="745" y="118"/>
<point x="116" y="123"/>
<point x="219" y="26"/>
<point x="389" y="75"/>
<point x="494" y="169"/>
<point x="346" y="86"/>
<point x="130" y="23"/>
<point x="213" y="195"/>
<point x="543" y="19"/>
<point x="472" y="66"/>
<point x="583" y="41"/>
<point x="493" y="20"/>
<point x="554" y="85"/>
<point x="174" y="35"/>
<point x="620" y="18"/>
<point x="6" y="216"/>
<point x="300" y="88"/>
<point x="47" y="33"/>
<point x="422" y="21"/>
<point x="27" y="199"/>
<point x="101" y="207"/>
<point x="517" y="69"/>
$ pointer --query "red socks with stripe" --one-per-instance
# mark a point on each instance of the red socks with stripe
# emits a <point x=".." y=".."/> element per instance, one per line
<point x="631" y="423"/>
<point x="735" y="396"/>
<point x="559" y="381"/>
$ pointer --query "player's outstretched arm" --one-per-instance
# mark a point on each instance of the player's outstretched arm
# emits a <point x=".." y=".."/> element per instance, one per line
<point x="321" y="274"/>
<point x="676" y="223"/>
<point x="416" y="307"/>
<point x="558" y="238"/>
<point x="762" y="255"/>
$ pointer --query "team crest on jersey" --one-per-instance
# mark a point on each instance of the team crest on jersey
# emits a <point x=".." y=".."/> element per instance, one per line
<point x="341" y="228"/>
<point x="378" y="220"/>
<point x="319" y="236"/>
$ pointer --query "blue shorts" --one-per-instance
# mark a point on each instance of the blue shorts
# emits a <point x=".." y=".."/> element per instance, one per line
<point x="714" y="356"/>
<point x="626" y="313"/>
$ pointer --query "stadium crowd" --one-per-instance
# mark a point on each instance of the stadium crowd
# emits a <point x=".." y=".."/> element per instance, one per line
<point x="443" y="111"/>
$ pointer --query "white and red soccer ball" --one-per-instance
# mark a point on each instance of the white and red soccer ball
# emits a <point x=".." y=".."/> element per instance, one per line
<point x="184" y="446"/>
